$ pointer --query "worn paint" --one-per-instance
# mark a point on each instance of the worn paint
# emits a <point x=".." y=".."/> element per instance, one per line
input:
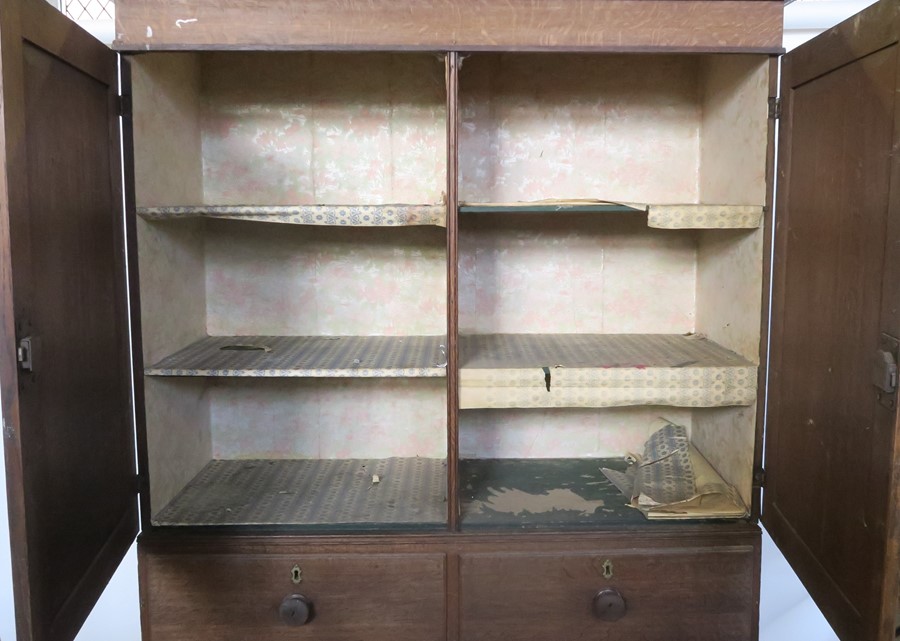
<point x="518" y="502"/>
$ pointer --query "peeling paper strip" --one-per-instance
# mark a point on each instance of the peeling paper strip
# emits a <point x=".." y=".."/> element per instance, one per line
<point x="704" y="216"/>
<point x="681" y="487"/>
<point x="601" y="370"/>
<point x="689" y="394"/>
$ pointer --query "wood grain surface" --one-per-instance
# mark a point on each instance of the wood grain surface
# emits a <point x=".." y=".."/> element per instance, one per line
<point x="487" y="585"/>
<point x="462" y="25"/>
<point x="67" y="423"/>
<point x="377" y="597"/>
<point x="830" y="501"/>
<point x="702" y="595"/>
<point x="452" y="81"/>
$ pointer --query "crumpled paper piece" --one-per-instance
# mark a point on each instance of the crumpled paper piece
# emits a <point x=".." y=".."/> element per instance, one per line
<point x="672" y="480"/>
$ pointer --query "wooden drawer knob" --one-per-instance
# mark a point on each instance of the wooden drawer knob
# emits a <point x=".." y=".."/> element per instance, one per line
<point x="295" y="609"/>
<point x="609" y="605"/>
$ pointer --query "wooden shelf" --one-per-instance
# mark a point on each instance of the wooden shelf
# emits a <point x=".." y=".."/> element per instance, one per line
<point x="539" y="207"/>
<point x="678" y="216"/>
<point x="308" y="356"/>
<point x="398" y="215"/>
<point x="601" y="370"/>
<point x="315" y="493"/>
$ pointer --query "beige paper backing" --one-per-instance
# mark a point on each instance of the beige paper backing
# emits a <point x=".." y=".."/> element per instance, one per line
<point x="167" y="166"/>
<point x="613" y="387"/>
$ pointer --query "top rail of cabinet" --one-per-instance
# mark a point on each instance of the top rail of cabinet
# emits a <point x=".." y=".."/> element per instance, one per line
<point x="748" y="26"/>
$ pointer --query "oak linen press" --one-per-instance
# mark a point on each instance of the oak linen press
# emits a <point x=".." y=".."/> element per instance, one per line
<point x="393" y="295"/>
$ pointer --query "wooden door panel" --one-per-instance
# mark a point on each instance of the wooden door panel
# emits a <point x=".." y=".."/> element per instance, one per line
<point x="829" y="501"/>
<point x="68" y="421"/>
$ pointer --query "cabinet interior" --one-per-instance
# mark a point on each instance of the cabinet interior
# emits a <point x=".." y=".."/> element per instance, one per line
<point x="292" y="130"/>
<point x="295" y="195"/>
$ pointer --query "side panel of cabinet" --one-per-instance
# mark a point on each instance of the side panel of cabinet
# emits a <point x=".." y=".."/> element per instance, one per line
<point x="64" y="351"/>
<point x="830" y="500"/>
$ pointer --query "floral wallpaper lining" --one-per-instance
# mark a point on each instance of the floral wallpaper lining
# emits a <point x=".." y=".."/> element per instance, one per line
<point x="313" y="128"/>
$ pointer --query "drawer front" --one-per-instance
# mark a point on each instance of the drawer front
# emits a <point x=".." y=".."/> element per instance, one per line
<point x="679" y="595"/>
<point x="238" y="597"/>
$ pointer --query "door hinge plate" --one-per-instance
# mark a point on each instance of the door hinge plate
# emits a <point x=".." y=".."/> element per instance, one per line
<point x="884" y="370"/>
<point x="25" y="354"/>
<point x="759" y="477"/>
<point x="775" y="108"/>
<point x="123" y="104"/>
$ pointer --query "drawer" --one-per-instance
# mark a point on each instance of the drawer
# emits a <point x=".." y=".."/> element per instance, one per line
<point x="237" y="597"/>
<point x="669" y="595"/>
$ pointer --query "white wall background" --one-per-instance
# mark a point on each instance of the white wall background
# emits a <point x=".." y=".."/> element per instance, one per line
<point x="786" y="611"/>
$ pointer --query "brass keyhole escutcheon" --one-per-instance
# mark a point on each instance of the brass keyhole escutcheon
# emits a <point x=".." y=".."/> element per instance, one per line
<point x="296" y="574"/>
<point x="607" y="569"/>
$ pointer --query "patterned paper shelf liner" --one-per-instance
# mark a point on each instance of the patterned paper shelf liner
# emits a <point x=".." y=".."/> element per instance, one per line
<point x="601" y="370"/>
<point x="336" y="215"/>
<point x="672" y="480"/>
<point x="676" y="216"/>
<point x="315" y="492"/>
<point x="308" y="356"/>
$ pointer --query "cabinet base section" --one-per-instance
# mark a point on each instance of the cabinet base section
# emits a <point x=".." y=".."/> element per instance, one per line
<point x="672" y="583"/>
<point x="542" y="493"/>
<point x="343" y="494"/>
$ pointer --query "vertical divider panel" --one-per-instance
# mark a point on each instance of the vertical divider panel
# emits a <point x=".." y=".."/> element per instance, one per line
<point x="452" y="76"/>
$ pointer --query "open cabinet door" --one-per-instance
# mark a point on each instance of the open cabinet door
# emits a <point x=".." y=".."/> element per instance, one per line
<point x="64" y="348"/>
<point x="830" y="498"/>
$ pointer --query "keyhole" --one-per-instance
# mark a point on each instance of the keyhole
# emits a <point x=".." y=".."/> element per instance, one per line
<point x="296" y="574"/>
<point x="607" y="569"/>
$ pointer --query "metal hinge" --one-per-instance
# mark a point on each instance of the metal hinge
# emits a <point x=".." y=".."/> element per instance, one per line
<point x="123" y="104"/>
<point x="885" y="371"/>
<point x="759" y="477"/>
<point x="775" y="108"/>
<point x="25" y="354"/>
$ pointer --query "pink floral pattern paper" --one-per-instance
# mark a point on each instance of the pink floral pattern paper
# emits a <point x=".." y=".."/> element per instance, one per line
<point x="620" y="128"/>
<point x="323" y="128"/>
<point x="344" y="418"/>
